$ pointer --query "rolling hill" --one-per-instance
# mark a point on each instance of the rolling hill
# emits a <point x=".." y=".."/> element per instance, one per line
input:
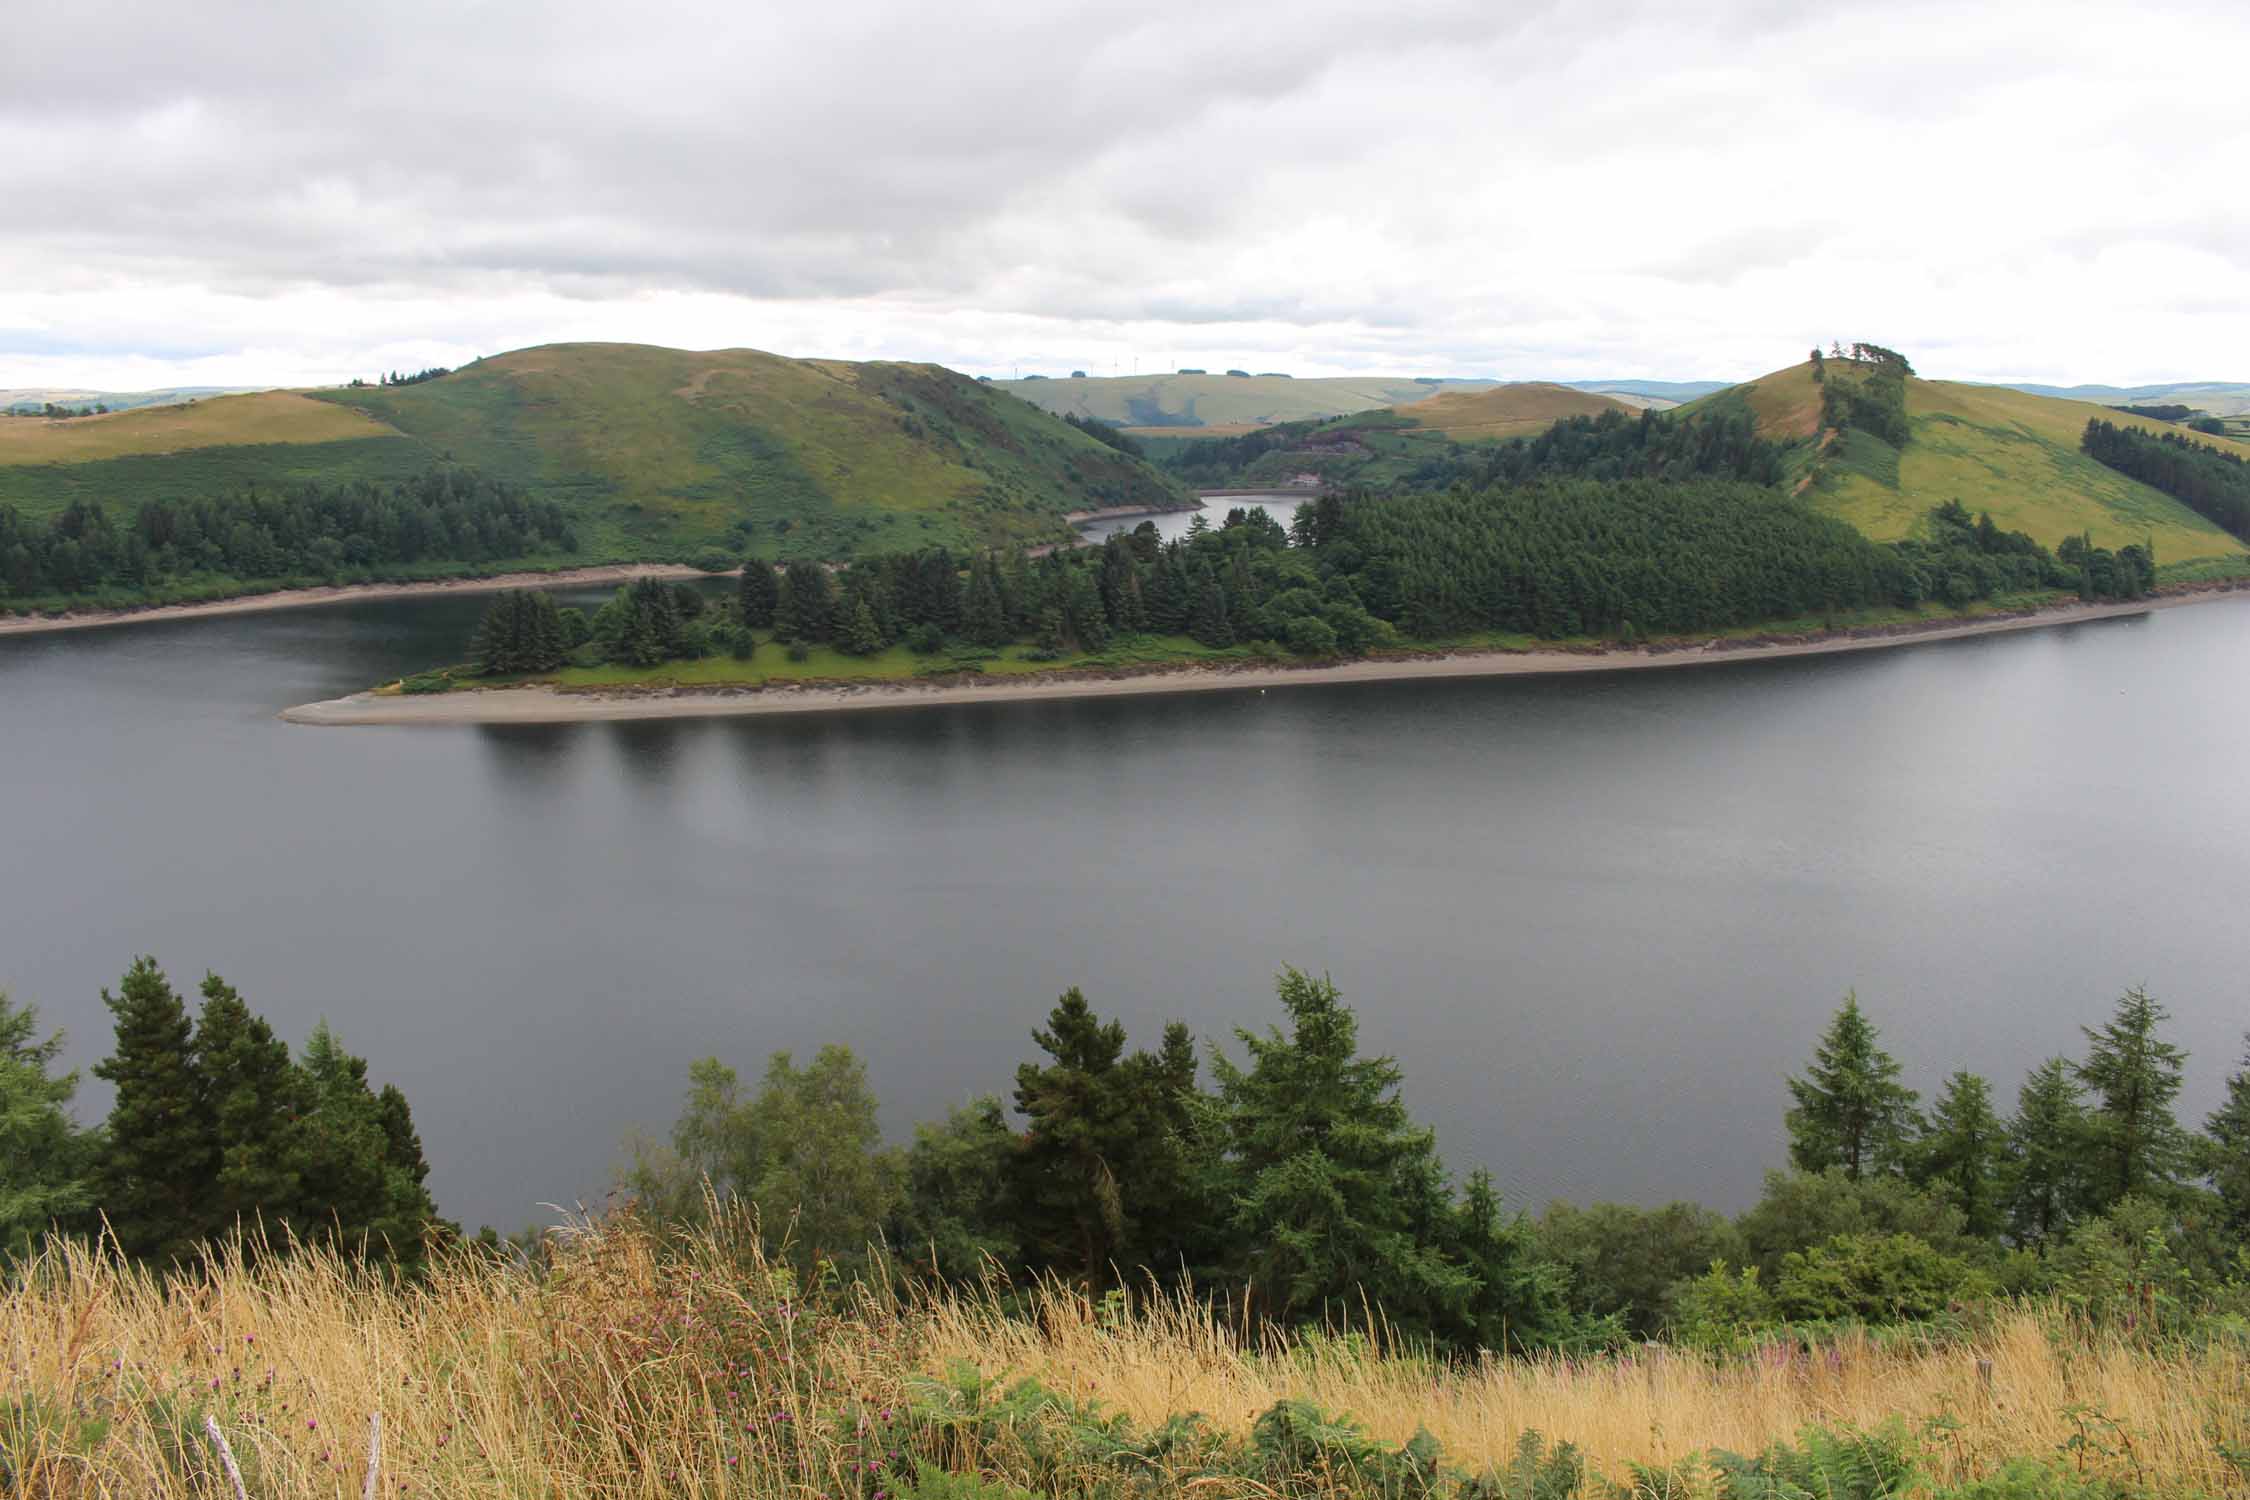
<point x="1505" y="411"/>
<point x="1178" y="405"/>
<point x="2221" y="398"/>
<point x="1993" y="449"/>
<point x="652" y="452"/>
<point x="36" y="398"/>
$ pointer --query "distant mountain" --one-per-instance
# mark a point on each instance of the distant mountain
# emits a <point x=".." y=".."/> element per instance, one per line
<point x="653" y="452"/>
<point x="1221" y="404"/>
<point x="38" y="398"/>
<point x="1993" y="448"/>
<point x="2221" y="398"/>
<point x="1658" y="394"/>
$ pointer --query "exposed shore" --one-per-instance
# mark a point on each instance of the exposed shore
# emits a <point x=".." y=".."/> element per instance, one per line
<point x="546" y="705"/>
<point x="243" y="604"/>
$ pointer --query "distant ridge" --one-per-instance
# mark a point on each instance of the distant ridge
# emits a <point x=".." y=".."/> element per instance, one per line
<point x="1183" y="404"/>
<point x="2221" y="398"/>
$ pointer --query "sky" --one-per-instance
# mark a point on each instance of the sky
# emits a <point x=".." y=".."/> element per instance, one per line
<point x="235" y="193"/>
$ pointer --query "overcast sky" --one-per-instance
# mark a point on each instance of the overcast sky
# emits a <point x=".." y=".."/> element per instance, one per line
<point x="216" y="192"/>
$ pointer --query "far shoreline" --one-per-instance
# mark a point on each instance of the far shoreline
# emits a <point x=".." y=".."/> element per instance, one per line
<point x="346" y="593"/>
<point x="549" y="705"/>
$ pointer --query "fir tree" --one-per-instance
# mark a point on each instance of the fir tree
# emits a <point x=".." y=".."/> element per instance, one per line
<point x="758" y="593"/>
<point x="160" y="1155"/>
<point x="1961" y="1154"/>
<point x="862" y="636"/>
<point x="1085" y="1125"/>
<point x="2043" y="1180"/>
<point x="1210" y="625"/>
<point x="361" y="1190"/>
<point x="2137" y="1144"/>
<point x="1851" y="1111"/>
<point x="985" y="618"/>
<point x="256" y="1097"/>
<point x="2225" y="1151"/>
<point x="44" y="1157"/>
<point x="1339" y="1193"/>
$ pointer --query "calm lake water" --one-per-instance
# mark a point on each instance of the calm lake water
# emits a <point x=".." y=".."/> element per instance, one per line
<point x="1597" y="919"/>
<point x="1174" y="524"/>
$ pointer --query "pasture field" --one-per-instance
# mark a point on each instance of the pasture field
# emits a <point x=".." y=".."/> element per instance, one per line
<point x="1162" y="402"/>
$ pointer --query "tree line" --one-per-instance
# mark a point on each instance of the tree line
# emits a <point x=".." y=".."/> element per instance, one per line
<point x="1865" y="390"/>
<point x="214" y="1125"/>
<point x="1295" y="1183"/>
<point x="2209" y="481"/>
<point x="305" y="531"/>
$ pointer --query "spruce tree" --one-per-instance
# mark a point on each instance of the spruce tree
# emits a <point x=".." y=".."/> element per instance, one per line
<point x="1084" y="1126"/>
<point x="757" y="593"/>
<point x="257" y="1096"/>
<point x="44" y="1157"/>
<point x="2043" y="1182"/>
<point x="1338" y="1192"/>
<point x="1961" y="1154"/>
<point x="862" y="636"/>
<point x="985" y="618"/>
<point x="497" y="644"/>
<point x="2138" y="1146"/>
<point x="363" y="1173"/>
<point x="1851" y="1111"/>
<point x="159" y="1157"/>
<point x="1210" y="625"/>
<point x="2225" y="1151"/>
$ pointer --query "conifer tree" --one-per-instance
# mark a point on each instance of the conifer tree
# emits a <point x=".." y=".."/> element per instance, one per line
<point x="985" y="617"/>
<point x="2137" y="1144"/>
<point x="1961" y="1154"/>
<point x="1338" y="1191"/>
<point x="862" y="636"/>
<point x="1851" y="1111"/>
<point x="257" y="1097"/>
<point x="2225" y="1151"/>
<point x="44" y="1157"/>
<point x="160" y="1153"/>
<point x="1085" y="1127"/>
<point x="1210" y="625"/>
<point x="2043" y="1180"/>
<point x="359" y="1191"/>
<point x="757" y="593"/>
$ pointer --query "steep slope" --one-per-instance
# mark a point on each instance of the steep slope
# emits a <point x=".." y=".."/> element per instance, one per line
<point x="1184" y="403"/>
<point x="651" y="451"/>
<point x="1989" y="447"/>
<point x="1505" y="411"/>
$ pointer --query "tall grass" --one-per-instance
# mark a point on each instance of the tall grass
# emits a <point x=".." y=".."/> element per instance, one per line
<point x="626" y="1364"/>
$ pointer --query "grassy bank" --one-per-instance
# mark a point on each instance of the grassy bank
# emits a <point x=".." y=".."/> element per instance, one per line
<point x="626" y="1365"/>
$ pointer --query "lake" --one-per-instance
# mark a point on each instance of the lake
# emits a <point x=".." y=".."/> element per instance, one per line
<point x="1597" y="918"/>
<point x="1172" y="525"/>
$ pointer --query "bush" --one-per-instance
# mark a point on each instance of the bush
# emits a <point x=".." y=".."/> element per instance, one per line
<point x="925" y="640"/>
<point x="426" y="682"/>
<point x="799" y="651"/>
<point x="712" y="560"/>
<point x="742" y="643"/>
<point x="1877" y="1278"/>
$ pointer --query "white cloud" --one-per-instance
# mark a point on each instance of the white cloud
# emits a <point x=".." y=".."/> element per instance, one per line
<point x="237" y="193"/>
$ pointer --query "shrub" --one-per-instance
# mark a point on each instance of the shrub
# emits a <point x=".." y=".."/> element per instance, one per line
<point x="712" y="560"/>
<point x="799" y="651"/>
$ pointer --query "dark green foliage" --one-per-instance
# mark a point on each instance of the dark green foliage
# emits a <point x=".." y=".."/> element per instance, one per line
<point x="1851" y="1112"/>
<point x="44" y="1158"/>
<point x="2137" y="1147"/>
<point x="642" y="625"/>
<point x="1799" y="1210"/>
<point x="257" y="1101"/>
<point x="1962" y="1154"/>
<point x="308" y="531"/>
<point x="1867" y="392"/>
<point x="1102" y="432"/>
<point x="2209" y="481"/>
<point x="806" y="606"/>
<point x="2045" y="1185"/>
<point x="2223" y="1154"/>
<point x="758" y="594"/>
<point x="522" y="631"/>
<point x="1625" y="1261"/>
<point x="363" y="1166"/>
<point x="1341" y="1195"/>
<point x="954" y="1216"/>
<point x="1960" y="558"/>
<point x="161" y="1148"/>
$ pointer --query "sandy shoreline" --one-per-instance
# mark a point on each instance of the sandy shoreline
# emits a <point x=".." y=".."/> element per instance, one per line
<point x="544" y="705"/>
<point x="243" y="604"/>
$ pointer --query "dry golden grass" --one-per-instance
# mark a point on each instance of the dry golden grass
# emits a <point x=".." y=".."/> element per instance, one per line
<point x="216" y="421"/>
<point x="628" y="1368"/>
<point x="1506" y="411"/>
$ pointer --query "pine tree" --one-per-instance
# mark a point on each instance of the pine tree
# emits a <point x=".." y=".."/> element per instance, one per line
<point x="1084" y="1126"/>
<point x="44" y="1157"/>
<point x="256" y="1099"/>
<point x="1962" y="1152"/>
<point x="2043" y="1178"/>
<point x="1339" y="1193"/>
<point x="862" y="636"/>
<point x="498" y="640"/>
<point x="984" y="617"/>
<point x="2138" y="1146"/>
<point x="1851" y="1111"/>
<point x="1210" y="625"/>
<point x="2225" y="1151"/>
<point x="361" y="1188"/>
<point x="160" y="1155"/>
<point x="758" y="593"/>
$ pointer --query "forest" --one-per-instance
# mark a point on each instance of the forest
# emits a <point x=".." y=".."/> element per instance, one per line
<point x="2212" y="483"/>
<point x="1281" y="1173"/>
<point x="311" y="531"/>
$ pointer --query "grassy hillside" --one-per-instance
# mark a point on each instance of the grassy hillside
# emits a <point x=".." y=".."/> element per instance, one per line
<point x="1989" y="447"/>
<point x="1505" y="411"/>
<point x="2221" y="398"/>
<point x="1154" y="402"/>
<point x="654" y="452"/>
<point x="35" y="398"/>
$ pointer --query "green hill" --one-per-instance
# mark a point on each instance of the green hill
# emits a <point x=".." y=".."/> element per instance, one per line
<point x="652" y="452"/>
<point x="1993" y="449"/>
<point x="1188" y="403"/>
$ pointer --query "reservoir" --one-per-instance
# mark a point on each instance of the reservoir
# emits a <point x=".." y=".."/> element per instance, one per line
<point x="1597" y="918"/>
